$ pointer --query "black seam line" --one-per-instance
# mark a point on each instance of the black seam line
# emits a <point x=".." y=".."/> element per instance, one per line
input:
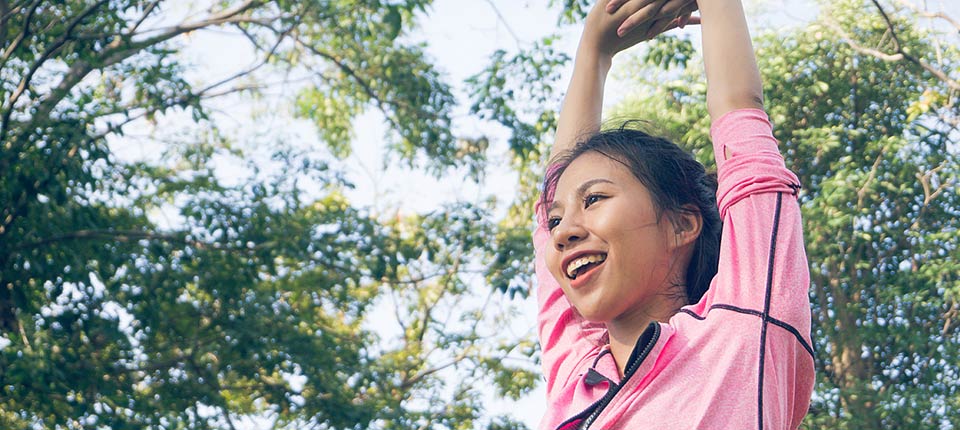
<point x="586" y="412"/>
<point x="766" y="309"/>
<point x="793" y="330"/>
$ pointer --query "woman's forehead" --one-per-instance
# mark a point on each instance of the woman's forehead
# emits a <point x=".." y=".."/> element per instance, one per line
<point x="591" y="167"/>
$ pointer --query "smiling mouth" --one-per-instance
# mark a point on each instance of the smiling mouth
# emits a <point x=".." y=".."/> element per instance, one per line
<point x="583" y="264"/>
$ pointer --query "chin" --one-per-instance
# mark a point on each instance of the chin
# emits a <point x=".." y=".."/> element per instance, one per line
<point x="593" y="315"/>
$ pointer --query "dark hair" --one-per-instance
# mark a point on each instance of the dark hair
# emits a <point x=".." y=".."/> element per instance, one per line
<point x="675" y="179"/>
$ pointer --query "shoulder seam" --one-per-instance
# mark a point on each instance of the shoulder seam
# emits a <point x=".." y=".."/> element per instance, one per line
<point x="777" y="322"/>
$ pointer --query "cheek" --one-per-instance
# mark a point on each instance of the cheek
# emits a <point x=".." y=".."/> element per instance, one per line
<point x="552" y="258"/>
<point x="620" y="221"/>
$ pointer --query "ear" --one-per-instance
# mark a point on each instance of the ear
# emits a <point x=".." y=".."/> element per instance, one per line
<point x="687" y="224"/>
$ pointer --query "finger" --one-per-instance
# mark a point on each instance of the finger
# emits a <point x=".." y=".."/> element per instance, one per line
<point x="614" y="5"/>
<point x="664" y="25"/>
<point x="640" y="16"/>
<point x="689" y="8"/>
<point x="658" y="26"/>
<point x="677" y="8"/>
<point x="676" y="23"/>
<point x="685" y="15"/>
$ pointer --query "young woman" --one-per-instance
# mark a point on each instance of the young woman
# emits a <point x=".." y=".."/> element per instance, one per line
<point x="649" y="318"/>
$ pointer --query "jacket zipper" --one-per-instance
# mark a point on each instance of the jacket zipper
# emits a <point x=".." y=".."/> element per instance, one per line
<point x="605" y="401"/>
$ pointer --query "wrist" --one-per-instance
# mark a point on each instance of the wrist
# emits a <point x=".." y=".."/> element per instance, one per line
<point x="713" y="4"/>
<point x="588" y="55"/>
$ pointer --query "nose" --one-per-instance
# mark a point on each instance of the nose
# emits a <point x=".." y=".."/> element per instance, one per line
<point x="567" y="233"/>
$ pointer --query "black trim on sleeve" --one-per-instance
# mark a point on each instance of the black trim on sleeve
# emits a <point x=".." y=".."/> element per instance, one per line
<point x="782" y="324"/>
<point x="796" y="333"/>
<point x="766" y="310"/>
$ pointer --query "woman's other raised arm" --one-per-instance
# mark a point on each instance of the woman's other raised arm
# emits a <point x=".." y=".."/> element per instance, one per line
<point x="733" y="79"/>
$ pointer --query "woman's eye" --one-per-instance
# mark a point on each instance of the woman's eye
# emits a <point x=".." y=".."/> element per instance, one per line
<point x="591" y="199"/>
<point x="553" y="223"/>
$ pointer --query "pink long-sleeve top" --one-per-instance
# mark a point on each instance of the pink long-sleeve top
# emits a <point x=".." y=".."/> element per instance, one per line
<point x="741" y="357"/>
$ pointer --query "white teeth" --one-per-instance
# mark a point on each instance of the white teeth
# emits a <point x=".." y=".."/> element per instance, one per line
<point x="583" y="261"/>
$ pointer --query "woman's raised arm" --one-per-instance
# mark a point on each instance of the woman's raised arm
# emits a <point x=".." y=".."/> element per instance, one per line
<point x="611" y="27"/>
<point x="733" y="80"/>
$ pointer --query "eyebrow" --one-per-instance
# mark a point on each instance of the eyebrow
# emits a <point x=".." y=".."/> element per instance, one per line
<point x="581" y="190"/>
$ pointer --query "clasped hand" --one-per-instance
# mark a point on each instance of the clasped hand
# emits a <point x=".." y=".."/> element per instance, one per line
<point x="614" y="25"/>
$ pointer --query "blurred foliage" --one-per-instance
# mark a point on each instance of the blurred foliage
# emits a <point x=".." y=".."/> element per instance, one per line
<point x="159" y="294"/>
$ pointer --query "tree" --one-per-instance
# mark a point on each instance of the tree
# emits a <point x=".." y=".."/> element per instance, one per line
<point x="865" y="106"/>
<point x="252" y="305"/>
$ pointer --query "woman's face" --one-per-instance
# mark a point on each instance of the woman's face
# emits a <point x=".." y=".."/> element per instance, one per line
<point x="612" y="255"/>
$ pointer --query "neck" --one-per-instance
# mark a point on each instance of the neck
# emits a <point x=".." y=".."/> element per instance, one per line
<point x="625" y="330"/>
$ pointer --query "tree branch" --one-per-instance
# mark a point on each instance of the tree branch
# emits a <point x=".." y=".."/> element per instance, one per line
<point x="928" y="194"/>
<point x="226" y="411"/>
<point x="117" y="51"/>
<point x="25" y="81"/>
<point x="266" y="59"/>
<point x="936" y="15"/>
<point x="503" y="20"/>
<point x="343" y="66"/>
<point x="23" y="334"/>
<point x="116" y="235"/>
<point x="407" y="383"/>
<point x="952" y="83"/>
<point x="862" y="192"/>
<point x="429" y="307"/>
<point x="24" y="32"/>
<point x="4" y="18"/>
<point x="122" y="48"/>
<point x="224" y="17"/>
<point x="146" y="13"/>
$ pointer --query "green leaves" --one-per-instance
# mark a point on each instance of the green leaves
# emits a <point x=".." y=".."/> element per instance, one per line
<point x="512" y="257"/>
<point x="394" y="22"/>
<point x="669" y="51"/>
<point x="508" y="90"/>
<point x="358" y="61"/>
<point x="572" y="11"/>
<point x="333" y="115"/>
<point x="160" y="293"/>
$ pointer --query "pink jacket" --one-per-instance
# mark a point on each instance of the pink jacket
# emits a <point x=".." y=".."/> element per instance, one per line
<point x="741" y="358"/>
